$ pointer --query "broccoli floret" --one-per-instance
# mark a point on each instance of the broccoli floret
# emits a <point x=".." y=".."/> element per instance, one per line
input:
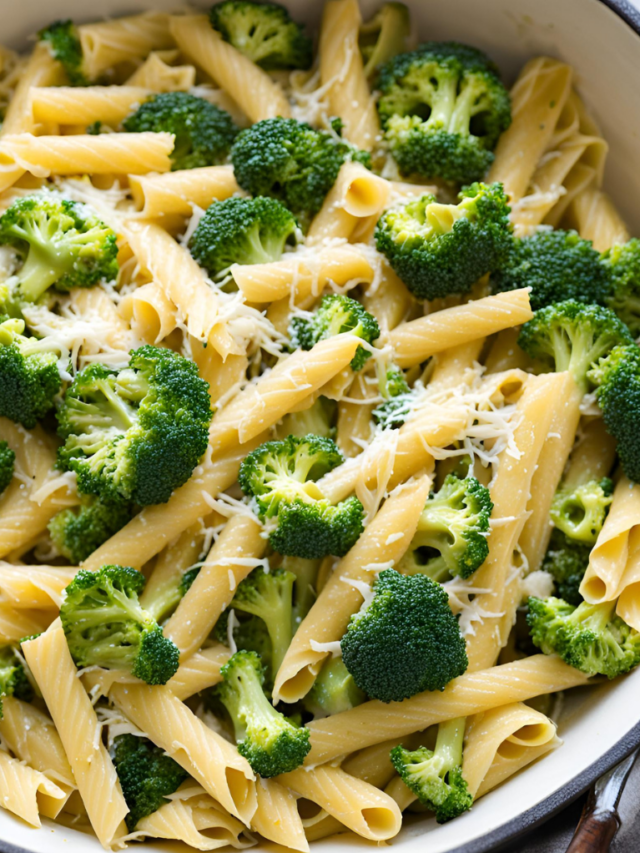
<point x="589" y="637"/>
<point x="106" y="626"/>
<point x="241" y="231"/>
<point x="572" y="336"/>
<point x="250" y="635"/>
<point x="622" y="263"/>
<point x="78" y="531"/>
<point x="336" y="314"/>
<point x="264" y="32"/>
<point x="7" y="464"/>
<point x="556" y="265"/>
<point x="147" y="775"/>
<point x="318" y="419"/>
<point x="580" y="511"/>
<point x="203" y="132"/>
<point x="270" y="742"/>
<point x="441" y="249"/>
<point x="406" y="641"/>
<point x="436" y="777"/>
<point x="618" y="379"/>
<point x="13" y="679"/>
<point x="65" y="47"/>
<point x="281" y="476"/>
<point x="384" y="36"/>
<point x="29" y="376"/>
<point x="442" y="109"/>
<point x="395" y="391"/>
<point x="567" y="561"/>
<point x="138" y="433"/>
<point x="334" y="690"/>
<point x="268" y="595"/>
<point x="451" y="539"/>
<point x="290" y="161"/>
<point x="65" y="245"/>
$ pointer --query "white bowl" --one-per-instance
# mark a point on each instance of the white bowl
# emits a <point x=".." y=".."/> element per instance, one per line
<point x="601" y="40"/>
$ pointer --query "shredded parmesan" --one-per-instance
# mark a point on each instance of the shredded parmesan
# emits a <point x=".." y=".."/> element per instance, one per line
<point x="333" y="648"/>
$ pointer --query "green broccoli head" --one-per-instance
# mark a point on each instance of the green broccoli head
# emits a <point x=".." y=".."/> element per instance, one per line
<point x="64" y="44"/>
<point x="65" y="245"/>
<point x="622" y="263"/>
<point x="441" y="249"/>
<point x="29" y="376"/>
<point x="618" y="379"/>
<point x="264" y="32"/>
<point x="435" y="777"/>
<point x="203" y="132"/>
<point x="442" y="109"/>
<point x="572" y="336"/>
<point x="241" y="231"/>
<point x="281" y="477"/>
<point x="451" y="539"/>
<point x="13" y="679"/>
<point x="106" y="626"/>
<point x="566" y="561"/>
<point x="268" y="595"/>
<point x="580" y="511"/>
<point x="7" y="464"/>
<point x="270" y="742"/>
<point x="79" y="531"/>
<point x="589" y="637"/>
<point x="556" y="265"/>
<point x="397" y="396"/>
<point x="406" y="641"/>
<point x="333" y="691"/>
<point x="138" y="433"/>
<point x="336" y="314"/>
<point x="147" y="775"/>
<point x="290" y="161"/>
<point x="384" y="36"/>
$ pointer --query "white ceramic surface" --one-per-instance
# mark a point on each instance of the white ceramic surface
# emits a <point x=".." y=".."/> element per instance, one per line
<point x="598" y="723"/>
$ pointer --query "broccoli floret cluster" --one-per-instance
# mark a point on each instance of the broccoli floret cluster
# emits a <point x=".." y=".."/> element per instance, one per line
<point x="13" y="679"/>
<point x="442" y="109"/>
<point x="106" y="626"/>
<point x="270" y="742"/>
<point x="397" y="396"/>
<point x="451" y="538"/>
<point x="579" y="511"/>
<point x="572" y="336"/>
<point x="566" y="561"/>
<point x="622" y="263"/>
<point x="241" y="231"/>
<point x="589" y="637"/>
<point x="556" y="265"/>
<point x="617" y="378"/>
<point x="63" y="243"/>
<point x="7" y="465"/>
<point x="335" y="315"/>
<point x="333" y="691"/>
<point x="405" y="641"/>
<point x="77" y="532"/>
<point x="264" y="32"/>
<point x="290" y="161"/>
<point x="384" y="36"/>
<point x="203" y="132"/>
<point x="64" y="44"/>
<point x="29" y="376"/>
<point x="147" y="775"/>
<point x="135" y="434"/>
<point x="281" y="477"/>
<point x="441" y="249"/>
<point x="435" y="777"/>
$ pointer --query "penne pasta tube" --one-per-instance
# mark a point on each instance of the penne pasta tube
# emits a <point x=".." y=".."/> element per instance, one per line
<point x="210" y="759"/>
<point x="277" y="817"/>
<point x="86" y="105"/>
<point x="156" y="196"/>
<point x="374" y="721"/>
<point x="628" y="606"/>
<point x="417" y="340"/>
<point x="157" y="75"/>
<point x="595" y="217"/>
<point x="503" y="767"/>
<point x="149" y="312"/>
<point x="16" y="624"/>
<point x="382" y="544"/>
<point x="389" y="301"/>
<point x="359" y="806"/>
<point x="34" y="587"/>
<point x="27" y="792"/>
<point x="107" y="43"/>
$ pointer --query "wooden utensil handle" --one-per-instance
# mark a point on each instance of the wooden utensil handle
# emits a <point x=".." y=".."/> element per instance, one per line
<point x="595" y="831"/>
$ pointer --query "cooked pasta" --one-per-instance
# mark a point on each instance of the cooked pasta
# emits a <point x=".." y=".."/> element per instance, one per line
<point x="277" y="496"/>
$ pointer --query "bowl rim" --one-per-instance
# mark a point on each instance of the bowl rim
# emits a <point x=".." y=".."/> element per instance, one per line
<point x="563" y="797"/>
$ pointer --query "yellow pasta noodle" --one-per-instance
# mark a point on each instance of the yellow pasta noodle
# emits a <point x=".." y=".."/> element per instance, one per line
<point x="157" y="196"/>
<point x="277" y="817"/>
<point x="150" y="313"/>
<point x="85" y="105"/>
<point x="594" y="216"/>
<point x="37" y="587"/>
<point x="108" y="43"/>
<point x="158" y="75"/>
<point x="27" y="792"/>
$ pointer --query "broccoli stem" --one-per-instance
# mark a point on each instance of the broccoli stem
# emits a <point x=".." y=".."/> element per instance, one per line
<point x="38" y="273"/>
<point x="443" y="101"/>
<point x="463" y="110"/>
<point x="248" y="706"/>
<point x="595" y="617"/>
<point x="449" y="743"/>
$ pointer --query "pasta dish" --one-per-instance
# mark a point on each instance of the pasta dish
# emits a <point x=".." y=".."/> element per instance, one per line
<point x="319" y="391"/>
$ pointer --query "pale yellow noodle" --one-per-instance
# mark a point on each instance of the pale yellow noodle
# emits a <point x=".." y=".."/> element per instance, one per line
<point x="277" y="816"/>
<point x="158" y="76"/>
<point x="85" y="105"/>
<point x="177" y="192"/>
<point x="27" y="792"/>
<point x="149" y="312"/>
<point x="108" y="43"/>
<point x="38" y="587"/>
